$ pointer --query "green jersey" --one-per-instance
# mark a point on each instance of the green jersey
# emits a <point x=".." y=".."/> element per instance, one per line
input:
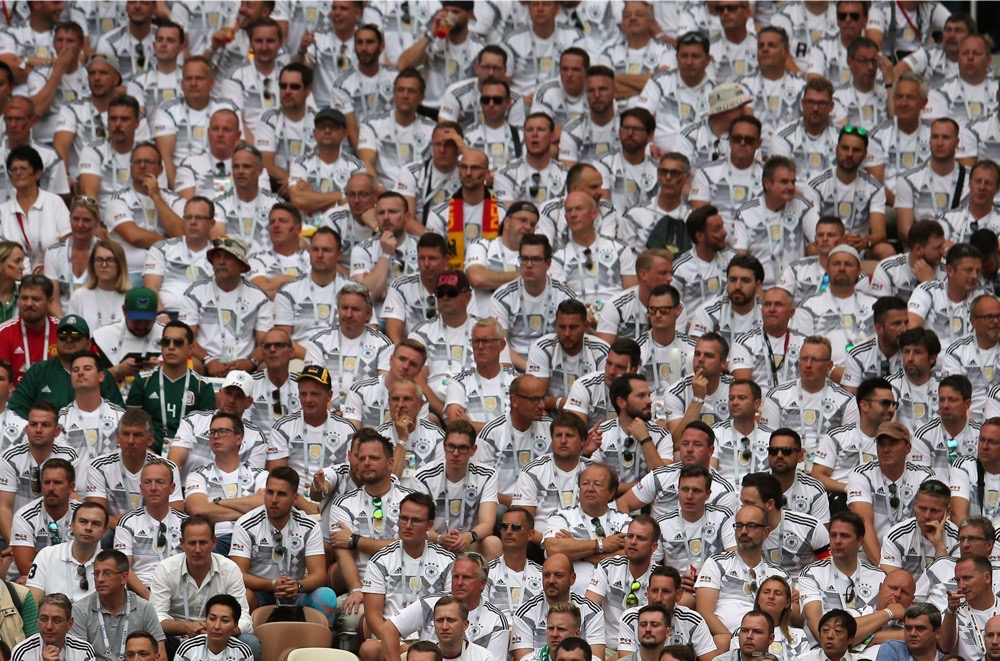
<point x="49" y="381"/>
<point x="168" y="401"/>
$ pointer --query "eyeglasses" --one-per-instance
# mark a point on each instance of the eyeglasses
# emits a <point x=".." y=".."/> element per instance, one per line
<point x="487" y="99"/>
<point x="410" y="520"/>
<point x="598" y="528"/>
<point x="536" y="184"/>
<point x="633" y="129"/>
<point x="627" y="454"/>
<point x="972" y="538"/>
<point x="854" y="130"/>
<point x="140" y="56"/>
<point x="278" y="553"/>
<point x="267" y="93"/>
<point x="295" y="87"/>
<point x="69" y="335"/>
<point x="742" y="139"/>
<point x="276" y="402"/>
<point x="750" y="527"/>
<point x="632" y="599"/>
<point x="844" y="15"/>
<point x="148" y="162"/>
<point x="161" y="538"/>
<point x="516" y="527"/>
<point x="669" y="172"/>
<point x="532" y="259"/>
<point x="745" y="453"/>
<point x="589" y="259"/>
<point x="483" y="341"/>
<point x="173" y="341"/>
<point x="54" y="537"/>
<point x="220" y="432"/>
<point x="849" y="594"/>
<point x="36" y="480"/>
<point x="654" y="310"/>
<point x="535" y="401"/>
<point x="894" y="498"/>
<point x="342" y="57"/>
<point x="884" y="403"/>
<point x="56" y="620"/>
<point x="81" y="573"/>
<point x="105" y="261"/>
<point x="461" y="449"/>
<point x="988" y="317"/>
<point x="785" y="452"/>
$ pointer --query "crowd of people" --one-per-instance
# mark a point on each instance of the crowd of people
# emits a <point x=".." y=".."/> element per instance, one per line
<point x="499" y="331"/>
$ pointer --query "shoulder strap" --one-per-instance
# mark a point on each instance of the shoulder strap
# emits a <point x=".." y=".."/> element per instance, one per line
<point x="981" y="486"/>
<point x="956" y="198"/>
<point x="516" y="139"/>
<point x="15" y="597"/>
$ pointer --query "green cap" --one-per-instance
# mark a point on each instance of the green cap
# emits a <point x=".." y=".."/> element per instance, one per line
<point x="74" y="322"/>
<point x="141" y="304"/>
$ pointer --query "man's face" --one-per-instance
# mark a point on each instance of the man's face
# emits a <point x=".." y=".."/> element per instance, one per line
<point x="528" y="402"/>
<point x="640" y="401"/>
<point x="653" y="630"/>
<point x="570" y="329"/>
<point x="42" y="428"/>
<point x="952" y="36"/>
<point x="917" y="361"/>
<point x="929" y="509"/>
<point x="405" y="399"/>
<point x="600" y="93"/>
<point x="232" y="399"/>
<point x="465" y="581"/>
<point x="672" y="176"/>
<point x="89" y="525"/>
<point x="851" y="20"/>
<point x="414" y="522"/>
<point x="777" y="308"/>
<point x="406" y="95"/>
<point x="973" y="58"/>
<point x="919" y="635"/>
<point x="145" y="161"/>
<point x="431" y="262"/>
<point x="951" y="406"/>
<point x="494" y="102"/>
<point x="367" y="47"/>
<point x="566" y="443"/>
<point x="537" y="137"/>
<point x="708" y="358"/>
<point x="266" y="42"/>
<point x="392" y="214"/>
<point x="139" y="649"/>
<point x="361" y="197"/>
<point x="657" y="319"/>
<point x="458" y="449"/>
<point x="989" y="443"/>
<point x="983" y="187"/>
<point x="557" y="577"/>
<point x="448" y="623"/>
<point x="732" y="14"/>
<point x="744" y="140"/>
<point x="198" y="222"/>
<point x="754" y="636"/>
<point x="843" y="269"/>
<point x="572" y="73"/>
<point x="133" y="440"/>
<point x="373" y="465"/>
<point x="292" y="90"/>
<point x="86" y="374"/>
<point x="636" y="19"/>
<point x="534" y="266"/>
<point x="101" y="78"/>
<point x="156" y="483"/>
<point x="558" y="627"/>
<point x="344" y="15"/>
<point x="966" y="274"/>
<point x="970" y="582"/>
<point x="828" y="235"/>
<point x="662" y="591"/>
<point x="715" y="233"/>
<point x="67" y="39"/>
<point x="816" y="108"/>
<point x="992" y="638"/>
<point x="844" y="543"/>
<point x="944" y="140"/>
<point x="196" y="81"/>
<point x="986" y="319"/>
<point x="581" y="213"/>
<point x="782" y="186"/>
<point x="514" y="539"/>
<point x="167" y="44"/>
<point x="741" y="402"/>
<point x="692" y="494"/>
<point x="139" y="12"/>
<point x="314" y="397"/>
<point x="595" y="489"/>
<point x="53" y="625"/>
<point x="353" y="313"/>
<point x="692" y="61"/>
<point x="746" y="518"/>
<point x="174" y="347"/>
<point x="695" y="448"/>
<point x="864" y="66"/>
<point x="56" y="487"/>
<point x="32" y="305"/>
<point x="881" y="406"/>
<point x="279" y="497"/>
<point x="246" y="169"/>
<point x="615" y="365"/>
<point x="405" y="361"/>
<point x="770" y="50"/>
<point x="324" y="253"/>
<point x="640" y="542"/>
<point x="473" y="170"/>
<point x="489" y="66"/>
<point x="543" y="12"/>
<point x="70" y="341"/>
<point x="282" y="226"/>
<point x="223" y="134"/>
<point x="443" y="150"/>
<point x="197" y="543"/>
<point x="328" y="134"/>
<point x="972" y="540"/>
<point x="834" y="638"/>
<point x="741" y="285"/>
<point x="814" y="362"/>
<point x="122" y="124"/>
<point x="107" y="579"/>
<point x="19" y="122"/>
<point x="222" y="438"/>
<point x="518" y="225"/>
<point x="633" y="134"/>
<point x="907" y="100"/>
<point x="851" y="153"/>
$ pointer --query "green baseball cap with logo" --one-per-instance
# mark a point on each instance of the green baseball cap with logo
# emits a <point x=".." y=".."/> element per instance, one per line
<point x="74" y="322"/>
<point x="141" y="304"/>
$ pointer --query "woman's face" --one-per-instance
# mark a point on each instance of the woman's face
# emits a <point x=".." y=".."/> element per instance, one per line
<point x="773" y="598"/>
<point x="13" y="266"/>
<point x="105" y="265"/>
<point x="22" y="176"/>
<point x="82" y="223"/>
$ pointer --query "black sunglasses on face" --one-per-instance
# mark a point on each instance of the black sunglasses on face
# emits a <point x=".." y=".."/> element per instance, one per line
<point x="785" y="452"/>
<point x="516" y="527"/>
<point x="172" y="341"/>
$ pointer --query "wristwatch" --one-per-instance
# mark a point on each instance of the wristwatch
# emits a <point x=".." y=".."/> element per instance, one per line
<point x="474" y="535"/>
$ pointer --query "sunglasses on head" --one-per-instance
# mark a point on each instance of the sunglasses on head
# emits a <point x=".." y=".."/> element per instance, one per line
<point x="854" y="130"/>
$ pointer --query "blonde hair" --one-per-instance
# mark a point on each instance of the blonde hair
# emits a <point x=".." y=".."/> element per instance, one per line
<point x="121" y="285"/>
<point x="7" y="249"/>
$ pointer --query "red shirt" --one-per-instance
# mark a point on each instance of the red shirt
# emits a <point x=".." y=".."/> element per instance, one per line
<point x="12" y="345"/>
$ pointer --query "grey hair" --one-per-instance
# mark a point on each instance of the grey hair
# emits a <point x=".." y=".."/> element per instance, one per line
<point x="359" y="289"/>
<point x="492" y="324"/>
<point x="373" y="182"/>
<point x="918" y="79"/>
<point x="57" y="599"/>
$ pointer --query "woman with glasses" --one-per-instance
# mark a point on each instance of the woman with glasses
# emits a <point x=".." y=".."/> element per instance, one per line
<point x="32" y="217"/>
<point x="66" y="262"/>
<point x="775" y="598"/>
<point x="100" y="301"/>
<point x="11" y="270"/>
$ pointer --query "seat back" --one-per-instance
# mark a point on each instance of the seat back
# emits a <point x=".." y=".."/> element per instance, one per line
<point x="277" y="639"/>
<point x="320" y="654"/>
<point x="260" y="615"/>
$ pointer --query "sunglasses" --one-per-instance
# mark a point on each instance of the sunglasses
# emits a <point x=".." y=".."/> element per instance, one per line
<point x="70" y="335"/>
<point x="140" y="56"/>
<point x="54" y="537"/>
<point x="884" y="403"/>
<point x="785" y="452"/>
<point x="894" y="497"/>
<point x="81" y="573"/>
<point x="598" y="528"/>
<point x="173" y="341"/>
<point x="341" y="57"/>
<point x="430" y="308"/>
<point x="589" y="259"/>
<point x="100" y="132"/>
<point x="516" y="527"/>
<point x="377" y="514"/>
<point x="849" y="594"/>
<point x="161" y="538"/>
<point x="692" y="38"/>
<point x="632" y="599"/>
<point x="447" y="292"/>
<point x="83" y="199"/>
<point x="276" y="402"/>
<point x="486" y="100"/>
<point x="267" y="94"/>
<point x="278" y="553"/>
<point x="654" y="310"/>
<point x="854" y="130"/>
<point x="725" y="9"/>
<point x="536" y="184"/>
<point x="36" y="480"/>
<point x="742" y="139"/>
<point x="628" y="455"/>
<point x="844" y="15"/>
<point x="295" y="87"/>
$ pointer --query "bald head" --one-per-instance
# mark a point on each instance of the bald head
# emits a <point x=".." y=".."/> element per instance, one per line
<point x="578" y="198"/>
<point x="475" y="157"/>
<point x="897" y="588"/>
<point x="558" y="577"/>
<point x="992" y="638"/>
